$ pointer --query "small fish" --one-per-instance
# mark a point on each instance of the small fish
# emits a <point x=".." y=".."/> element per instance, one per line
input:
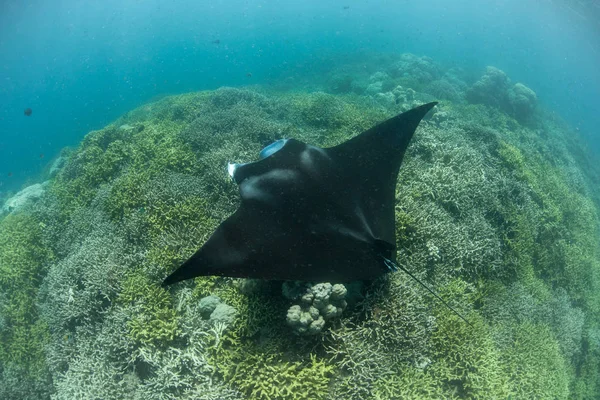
<point x="346" y="7"/>
<point x="9" y="174"/>
<point x="249" y="75"/>
<point x="41" y="155"/>
<point x="217" y="41"/>
<point x="27" y="112"/>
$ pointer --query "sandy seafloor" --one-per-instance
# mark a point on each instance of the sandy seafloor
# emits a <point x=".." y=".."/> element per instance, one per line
<point x="497" y="209"/>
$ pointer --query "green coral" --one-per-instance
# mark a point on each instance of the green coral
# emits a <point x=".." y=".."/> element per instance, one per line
<point x="127" y="194"/>
<point x="23" y="252"/>
<point x="334" y="118"/>
<point x="405" y="227"/>
<point x="532" y="359"/>
<point x="409" y="383"/>
<point x="151" y="149"/>
<point x="588" y="386"/>
<point x="204" y="286"/>
<point x="23" y="261"/>
<point x="465" y="358"/>
<point x="512" y="158"/>
<point x="154" y="321"/>
<point x="389" y="329"/>
<point x="269" y="376"/>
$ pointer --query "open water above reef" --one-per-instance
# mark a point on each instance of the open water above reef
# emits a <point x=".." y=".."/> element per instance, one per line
<point x="79" y="65"/>
<point x="497" y="206"/>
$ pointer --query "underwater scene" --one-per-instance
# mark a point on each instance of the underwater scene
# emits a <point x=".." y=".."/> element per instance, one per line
<point x="275" y="200"/>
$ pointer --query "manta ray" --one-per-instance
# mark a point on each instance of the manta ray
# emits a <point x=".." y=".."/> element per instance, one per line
<point x="312" y="214"/>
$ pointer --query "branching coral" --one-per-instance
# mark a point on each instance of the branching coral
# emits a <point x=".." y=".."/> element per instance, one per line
<point x="465" y="357"/>
<point x="83" y="285"/>
<point x="233" y="116"/>
<point x="269" y="376"/>
<point x="155" y="321"/>
<point x="520" y="303"/>
<point x="389" y="329"/>
<point x="441" y="193"/>
<point x="24" y="256"/>
<point x="533" y="361"/>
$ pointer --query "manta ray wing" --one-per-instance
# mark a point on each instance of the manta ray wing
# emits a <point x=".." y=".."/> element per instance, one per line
<point x="313" y="214"/>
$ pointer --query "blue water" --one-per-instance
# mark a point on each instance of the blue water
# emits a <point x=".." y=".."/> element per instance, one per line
<point x="79" y="65"/>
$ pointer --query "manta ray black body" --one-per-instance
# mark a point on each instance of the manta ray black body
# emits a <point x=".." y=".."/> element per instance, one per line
<point x="313" y="214"/>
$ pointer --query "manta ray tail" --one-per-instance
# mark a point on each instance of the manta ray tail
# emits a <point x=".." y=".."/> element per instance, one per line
<point x="396" y="267"/>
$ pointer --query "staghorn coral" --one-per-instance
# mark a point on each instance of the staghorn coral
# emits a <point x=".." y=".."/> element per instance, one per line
<point x="107" y="153"/>
<point x="519" y="303"/>
<point x="82" y="286"/>
<point x="532" y="359"/>
<point x="441" y="194"/>
<point x="269" y="376"/>
<point x="409" y="383"/>
<point x="16" y="383"/>
<point x="155" y="320"/>
<point x="588" y="384"/>
<point x="24" y="258"/>
<point x="92" y="362"/>
<point x="391" y="326"/>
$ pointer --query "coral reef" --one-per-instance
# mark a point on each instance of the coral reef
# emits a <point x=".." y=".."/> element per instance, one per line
<point x="58" y="164"/>
<point x="24" y="258"/>
<point x="388" y="332"/>
<point x="522" y="100"/>
<point x="494" y="89"/>
<point x="445" y="89"/>
<point x="24" y="198"/>
<point x="268" y="376"/>
<point x="496" y="210"/>
<point x="214" y="310"/>
<point x="319" y="303"/>
<point x="491" y="89"/>
<point x="415" y="70"/>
